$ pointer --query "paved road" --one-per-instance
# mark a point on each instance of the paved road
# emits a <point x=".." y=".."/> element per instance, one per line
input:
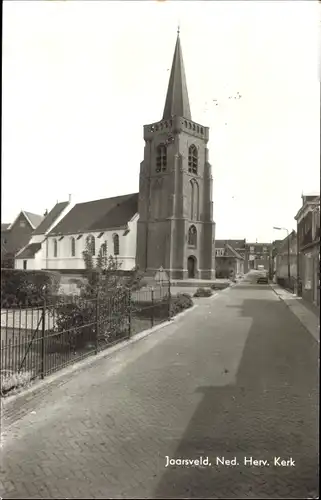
<point x="237" y="377"/>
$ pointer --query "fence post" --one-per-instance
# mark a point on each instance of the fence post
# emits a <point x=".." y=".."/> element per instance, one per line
<point x="152" y="308"/>
<point x="43" y="341"/>
<point x="129" y="314"/>
<point x="169" y="299"/>
<point x="97" y="323"/>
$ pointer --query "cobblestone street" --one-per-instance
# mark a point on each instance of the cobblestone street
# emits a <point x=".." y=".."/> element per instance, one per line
<point x="237" y="377"/>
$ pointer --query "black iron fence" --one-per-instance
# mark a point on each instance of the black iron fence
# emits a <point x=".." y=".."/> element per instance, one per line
<point x="39" y="341"/>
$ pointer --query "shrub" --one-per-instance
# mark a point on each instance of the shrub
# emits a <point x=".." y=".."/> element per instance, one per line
<point x="76" y="281"/>
<point x="162" y="309"/>
<point x="180" y="302"/>
<point x="27" y="288"/>
<point x="11" y="380"/>
<point x="222" y="274"/>
<point x="185" y="300"/>
<point x="203" y="292"/>
<point x="76" y="319"/>
<point x="136" y="280"/>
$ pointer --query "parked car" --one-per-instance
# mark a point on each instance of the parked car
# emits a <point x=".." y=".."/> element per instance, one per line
<point x="263" y="279"/>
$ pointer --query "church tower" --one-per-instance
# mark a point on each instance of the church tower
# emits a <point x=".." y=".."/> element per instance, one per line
<point x="175" y="227"/>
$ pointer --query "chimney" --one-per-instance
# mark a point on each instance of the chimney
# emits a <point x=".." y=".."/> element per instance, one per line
<point x="69" y="198"/>
<point x="46" y="213"/>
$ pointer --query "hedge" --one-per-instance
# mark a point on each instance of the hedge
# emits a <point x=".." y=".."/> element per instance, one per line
<point x="203" y="292"/>
<point x="25" y="288"/>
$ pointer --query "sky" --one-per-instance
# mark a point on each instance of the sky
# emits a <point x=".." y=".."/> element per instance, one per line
<point x="80" y="79"/>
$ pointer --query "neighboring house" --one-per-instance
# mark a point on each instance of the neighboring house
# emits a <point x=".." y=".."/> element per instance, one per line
<point x="287" y="251"/>
<point x="16" y="236"/>
<point x="257" y="254"/>
<point x="308" y="241"/>
<point x="229" y="261"/>
<point x="4" y="240"/>
<point x="111" y="222"/>
<point x="33" y="254"/>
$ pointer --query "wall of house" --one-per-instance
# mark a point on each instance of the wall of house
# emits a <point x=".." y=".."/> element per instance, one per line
<point x="262" y="261"/>
<point x="281" y="260"/>
<point x="34" y="263"/>
<point x="281" y="265"/>
<point x="64" y="259"/>
<point x="308" y="240"/>
<point x="256" y="254"/>
<point x="129" y="244"/>
<point x="310" y="274"/>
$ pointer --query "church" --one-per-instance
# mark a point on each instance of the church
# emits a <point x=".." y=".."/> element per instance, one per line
<point x="168" y="224"/>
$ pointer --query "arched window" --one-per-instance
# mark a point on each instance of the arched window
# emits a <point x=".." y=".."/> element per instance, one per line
<point x="104" y="248"/>
<point x="91" y="244"/>
<point x="194" y="200"/>
<point x="116" y="244"/>
<point x="55" y="248"/>
<point x="73" y="247"/>
<point x="192" y="159"/>
<point x="192" y="236"/>
<point x="161" y="158"/>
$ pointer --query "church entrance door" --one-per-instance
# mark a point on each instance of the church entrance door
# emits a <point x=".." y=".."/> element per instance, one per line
<point x="191" y="267"/>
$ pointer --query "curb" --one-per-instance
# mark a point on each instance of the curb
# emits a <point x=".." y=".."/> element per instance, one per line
<point x="82" y="364"/>
<point x="215" y="294"/>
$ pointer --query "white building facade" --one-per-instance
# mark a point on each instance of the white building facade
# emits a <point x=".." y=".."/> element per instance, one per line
<point x="65" y="252"/>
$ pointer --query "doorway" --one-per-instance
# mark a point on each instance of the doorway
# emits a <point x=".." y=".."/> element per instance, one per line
<point x="191" y="266"/>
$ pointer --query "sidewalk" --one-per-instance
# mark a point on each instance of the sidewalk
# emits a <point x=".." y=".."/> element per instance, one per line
<point x="306" y="315"/>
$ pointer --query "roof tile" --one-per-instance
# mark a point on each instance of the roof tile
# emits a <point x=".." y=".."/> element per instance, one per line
<point x="51" y="217"/>
<point x="30" y="251"/>
<point x="98" y="215"/>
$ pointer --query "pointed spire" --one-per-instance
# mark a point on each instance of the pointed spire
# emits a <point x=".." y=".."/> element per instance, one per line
<point x="177" y="102"/>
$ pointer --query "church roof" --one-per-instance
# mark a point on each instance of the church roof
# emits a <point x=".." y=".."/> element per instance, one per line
<point x="29" y="251"/>
<point x="98" y="215"/>
<point x="177" y="102"/>
<point x="51" y="217"/>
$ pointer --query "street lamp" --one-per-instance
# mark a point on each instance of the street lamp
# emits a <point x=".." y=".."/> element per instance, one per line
<point x="285" y="229"/>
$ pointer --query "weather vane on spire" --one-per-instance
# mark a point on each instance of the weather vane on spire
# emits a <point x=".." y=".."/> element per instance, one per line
<point x="178" y="28"/>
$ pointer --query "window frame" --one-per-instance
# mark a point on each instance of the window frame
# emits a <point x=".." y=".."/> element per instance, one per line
<point x="73" y="246"/>
<point x="116" y="244"/>
<point x="91" y="243"/>
<point x="192" y="236"/>
<point x="161" y="158"/>
<point x="55" y="248"/>
<point x="193" y="159"/>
